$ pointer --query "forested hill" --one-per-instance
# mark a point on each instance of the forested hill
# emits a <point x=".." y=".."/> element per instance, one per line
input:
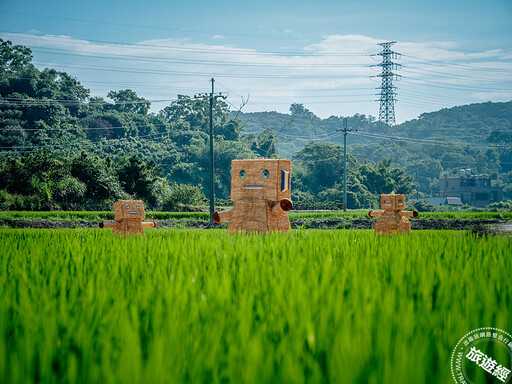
<point x="476" y="136"/>
<point x="473" y="122"/>
<point x="469" y="123"/>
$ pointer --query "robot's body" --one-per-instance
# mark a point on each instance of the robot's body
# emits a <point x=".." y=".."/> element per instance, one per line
<point x="260" y="189"/>
<point x="261" y="218"/>
<point x="393" y="220"/>
<point x="128" y="216"/>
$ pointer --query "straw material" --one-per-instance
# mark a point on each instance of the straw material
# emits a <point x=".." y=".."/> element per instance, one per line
<point x="260" y="189"/>
<point x="128" y="215"/>
<point x="393" y="220"/>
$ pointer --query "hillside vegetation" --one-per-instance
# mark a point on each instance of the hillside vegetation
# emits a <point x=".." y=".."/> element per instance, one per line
<point x="62" y="148"/>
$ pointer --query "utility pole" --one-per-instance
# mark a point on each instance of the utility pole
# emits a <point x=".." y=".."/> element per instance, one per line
<point x="345" y="130"/>
<point x="211" y="96"/>
<point x="387" y="90"/>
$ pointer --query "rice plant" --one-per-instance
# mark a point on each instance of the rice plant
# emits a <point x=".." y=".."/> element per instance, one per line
<point x="204" y="306"/>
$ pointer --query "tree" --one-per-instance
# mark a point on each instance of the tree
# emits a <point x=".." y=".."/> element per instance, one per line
<point x="324" y="165"/>
<point x="500" y="137"/>
<point x="97" y="175"/>
<point x="193" y="114"/>
<point x="230" y="131"/>
<point x="403" y="182"/>
<point x="127" y="101"/>
<point x="265" y="144"/>
<point x="298" y="110"/>
<point x="423" y="206"/>
<point x="137" y="177"/>
<point x="11" y="128"/>
<point x="377" y="178"/>
<point x="183" y="194"/>
<point x="13" y="58"/>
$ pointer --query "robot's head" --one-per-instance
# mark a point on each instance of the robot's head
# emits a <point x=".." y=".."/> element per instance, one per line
<point x="129" y="209"/>
<point x="260" y="179"/>
<point x="392" y="202"/>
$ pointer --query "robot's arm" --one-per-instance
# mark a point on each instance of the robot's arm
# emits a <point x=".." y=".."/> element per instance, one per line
<point x="375" y="214"/>
<point x="282" y="206"/>
<point x="148" y="224"/>
<point x="222" y="216"/>
<point x="108" y="224"/>
<point x="409" y="213"/>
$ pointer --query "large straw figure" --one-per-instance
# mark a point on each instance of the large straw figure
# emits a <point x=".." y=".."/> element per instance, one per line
<point x="260" y="189"/>
<point x="128" y="216"/>
<point x="393" y="220"/>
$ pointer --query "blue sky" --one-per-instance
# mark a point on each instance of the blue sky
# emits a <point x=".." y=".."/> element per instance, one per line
<point x="275" y="52"/>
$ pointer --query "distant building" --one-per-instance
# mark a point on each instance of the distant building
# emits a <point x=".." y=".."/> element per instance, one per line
<point x="472" y="189"/>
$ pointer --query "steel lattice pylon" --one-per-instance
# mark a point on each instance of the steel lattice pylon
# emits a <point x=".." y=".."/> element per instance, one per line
<point x="387" y="89"/>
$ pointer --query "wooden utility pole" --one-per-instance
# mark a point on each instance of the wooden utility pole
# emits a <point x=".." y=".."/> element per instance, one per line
<point x="211" y="96"/>
<point x="345" y="130"/>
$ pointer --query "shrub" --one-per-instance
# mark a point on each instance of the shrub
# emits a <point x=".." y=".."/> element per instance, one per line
<point x="182" y="195"/>
<point x="500" y="206"/>
<point x="423" y="206"/>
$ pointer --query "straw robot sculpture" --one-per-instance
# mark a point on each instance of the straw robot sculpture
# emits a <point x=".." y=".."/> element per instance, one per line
<point x="394" y="219"/>
<point x="260" y="189"/>
<point x="128" y="216"/>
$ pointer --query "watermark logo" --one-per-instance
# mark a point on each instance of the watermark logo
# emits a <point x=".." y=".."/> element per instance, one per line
<point x="483" y="356"/>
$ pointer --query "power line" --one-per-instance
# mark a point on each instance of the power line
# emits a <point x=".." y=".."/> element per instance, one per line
<point x="153" y="59"/>
<point x="34" y="148"/>
<point x="83" y="128"/>
<point x="177" y="48"/>
<point x="428" y="141"/>
<point x="200" y="74"/>
<point x="460" y="87"/>
<point x="421" y="71"/>
<point x="319" y="160"/>
<point x="184" y="30"/>
<point x="450" y="64"/>
<point x="20" y="102"/>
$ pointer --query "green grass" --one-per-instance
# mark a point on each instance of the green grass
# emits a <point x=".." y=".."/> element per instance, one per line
<point x="205" y="306"/>
<point x="293" y="215"/>
<point x="92" y="215"/>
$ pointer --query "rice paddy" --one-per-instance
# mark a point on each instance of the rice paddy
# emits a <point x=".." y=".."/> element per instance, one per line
<point x="202" y="306"/>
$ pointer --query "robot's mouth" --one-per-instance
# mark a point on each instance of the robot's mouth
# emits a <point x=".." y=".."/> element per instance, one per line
<point x="133" y="212"/>
<point x="253" y="186"/>
<point x="387" y="205"/>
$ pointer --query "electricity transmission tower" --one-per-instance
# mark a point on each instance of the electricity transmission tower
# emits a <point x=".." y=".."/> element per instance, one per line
<point x="387" y="89"/>
<point x="212" y="96"/>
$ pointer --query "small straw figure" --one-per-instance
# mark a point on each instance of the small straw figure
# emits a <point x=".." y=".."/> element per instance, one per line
<point x="128" y="216"/>
<point x="260" y="189"/>
<point x="393" y="220"/>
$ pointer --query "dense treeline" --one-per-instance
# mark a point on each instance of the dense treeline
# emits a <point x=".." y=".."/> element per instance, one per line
<point x="61" y="148"/>
<point x="476" y="136"/>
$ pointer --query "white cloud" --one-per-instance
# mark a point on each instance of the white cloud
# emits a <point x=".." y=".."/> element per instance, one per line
<point x="496" y="96"/>
<point x="331" y="76"/>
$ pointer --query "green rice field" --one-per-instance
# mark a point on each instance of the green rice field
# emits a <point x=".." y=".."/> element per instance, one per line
<point x="203" y="306"/>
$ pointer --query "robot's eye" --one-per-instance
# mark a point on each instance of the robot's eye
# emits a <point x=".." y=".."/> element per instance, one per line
<point x="127" y="205"/>
<point x="242" y="174"/>
<point x="399" y="201"/>
<point x="137" y="206"/>
<point x="265" y="174"/>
